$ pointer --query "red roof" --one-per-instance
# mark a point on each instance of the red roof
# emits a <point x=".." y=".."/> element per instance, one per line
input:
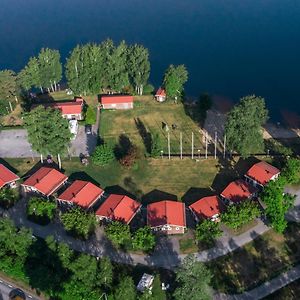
<point x="238" y="190"/>
<point x="160" y="93"/>
<point x="6" y="176"/>
<point x="166" y="213"/>
<point x="262" y="172"/>
<point x="207" y="207"/>
<point x="116" y="99"/>
<point x="82" y="193"/>
<point x="46" y="180"/>
<point x="119" y="208"/>
<point x="66" y="108"/>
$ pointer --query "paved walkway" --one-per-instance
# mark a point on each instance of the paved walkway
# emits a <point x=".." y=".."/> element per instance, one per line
<point x="266" y="288"/>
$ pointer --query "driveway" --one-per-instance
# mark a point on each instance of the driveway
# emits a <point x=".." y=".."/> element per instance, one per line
<point x="14" y="143"/>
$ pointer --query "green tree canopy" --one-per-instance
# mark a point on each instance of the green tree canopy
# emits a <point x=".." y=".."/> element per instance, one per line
<point x="78" y="222"/>
<point x="143" y="239"/>
<point x="118" y="232"/>
<point x="207" y="231"/>
<point x="125" y="289"/>
<point x="277" y="203"/>
<point x="174" y="79"/>
<point x="138" y="67"/>
<point x="8" y="85"/>
<point x="238" y="215"/>
<point x="193" y="280"/>
<point x="43" y="71"/>
<point x="103" y="155"/>
<point x="291" y="171"/>
<point x="48" y="131"/>
<point x="243" y="127"/>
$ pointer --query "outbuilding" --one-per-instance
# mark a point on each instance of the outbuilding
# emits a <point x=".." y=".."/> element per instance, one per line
<point x="261" y="173"/>
<point x="118" y="208"/>
<point x="167" y="216"/>
<point x="45" y="181"/>
<point x="7" y="177"/>
<point x="207" y="208"/>
<point x="238" y="191"/>
<point x="81" y="193"/>
<point x="117" y="102"/>
<point x="160" y="95"/>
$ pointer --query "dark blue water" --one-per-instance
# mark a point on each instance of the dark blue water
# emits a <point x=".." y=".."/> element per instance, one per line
<point x="230" y="47"/>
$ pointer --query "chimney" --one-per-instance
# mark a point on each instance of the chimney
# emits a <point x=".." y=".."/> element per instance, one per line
<point x="37" y="180"/>
<point x="73" y="194"/>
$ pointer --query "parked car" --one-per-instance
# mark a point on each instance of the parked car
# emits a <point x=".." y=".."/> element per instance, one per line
<point x="88" y="129"/>
<point x="73" y="125"/>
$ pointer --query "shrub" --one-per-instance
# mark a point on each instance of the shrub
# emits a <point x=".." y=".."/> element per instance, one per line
<point x="148" y="89"/>
<point x="90" y="116"/>
<point x="238" y="215"/>
<point x="207" y="231"/>
<point x="277" y="203"/>
<point x="103" y="155"/>
<point x="78" y="222"/>
<point x="143" y="239"/>
<point x="8" y="197"/>
<point x="291" y="170"/>
<point x="40" y="210"/>
<point x="118" y="233"/>
<point x="156" y="146"/>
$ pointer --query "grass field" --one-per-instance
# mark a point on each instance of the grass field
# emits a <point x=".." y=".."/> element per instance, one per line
<point x="263" y="259"/>
<point x="151" y="114"/>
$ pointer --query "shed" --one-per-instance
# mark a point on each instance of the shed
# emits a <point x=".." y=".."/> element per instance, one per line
<point x="117" y="102"/>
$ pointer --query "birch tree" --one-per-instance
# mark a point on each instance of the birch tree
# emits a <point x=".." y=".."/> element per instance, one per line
<point x="138" y="67"/>
<point x="8" y="85"/>
<point x="243" y="127"/>
<point x="174" y="79"/>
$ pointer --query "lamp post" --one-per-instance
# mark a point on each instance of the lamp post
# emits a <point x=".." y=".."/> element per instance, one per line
<point x="162" y="153"/>
<point x="199" y="153"/>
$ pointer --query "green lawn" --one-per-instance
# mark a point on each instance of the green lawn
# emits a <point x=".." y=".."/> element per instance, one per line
<point x="152" y="115"/>
<point x="263" y="259"/>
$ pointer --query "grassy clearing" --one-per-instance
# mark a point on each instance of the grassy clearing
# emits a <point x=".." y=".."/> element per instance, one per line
<point x="152" y="115"/>
<point x="187" y="245"/>
<point x="263" y="259"/>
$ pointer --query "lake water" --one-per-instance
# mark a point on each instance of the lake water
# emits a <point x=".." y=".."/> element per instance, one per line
<point x="231" y="47"/>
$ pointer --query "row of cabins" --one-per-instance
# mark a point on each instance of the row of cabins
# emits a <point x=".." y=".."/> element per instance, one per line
<point x="166" y="216"/>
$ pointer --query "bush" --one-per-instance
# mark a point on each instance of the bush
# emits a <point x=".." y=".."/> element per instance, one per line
<point x="118" y="233"/>
<point x="90" y="116"/>
<point x="156" y="145"/>
<point x="207" y="231"/>
<point x="277" y="203"/>
<point x="40" y="210"/>
<point x="291" y="171"/>
<point x="148" y="89"/>
<point x="103" y="155"/>
<point x="238" y="215"/>
<point x="79" y="223"/>
<point x="8" y="197"/>
<point x="143" y="239"/>
<point x="125" y="151"/>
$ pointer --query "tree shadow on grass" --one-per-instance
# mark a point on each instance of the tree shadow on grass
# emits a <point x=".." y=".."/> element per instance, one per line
<point x="157" y="195"/>
<point x="230" y="171"/>
<point x="8" y="166"/>
<point x="82" y="176"/>
<point x="194" y="194"/>
<point x="123" y="147"/>
<point x="116" y="189"/>
<point x="145" y="135"/>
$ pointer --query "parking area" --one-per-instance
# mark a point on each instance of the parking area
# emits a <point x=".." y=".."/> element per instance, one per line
<point x="14" y="143"/>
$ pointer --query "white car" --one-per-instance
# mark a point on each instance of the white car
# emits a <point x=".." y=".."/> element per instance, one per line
<point x="73" y="125"/>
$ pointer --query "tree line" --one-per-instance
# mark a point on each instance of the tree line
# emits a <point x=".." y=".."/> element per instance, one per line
<point x="59" y="272"/>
